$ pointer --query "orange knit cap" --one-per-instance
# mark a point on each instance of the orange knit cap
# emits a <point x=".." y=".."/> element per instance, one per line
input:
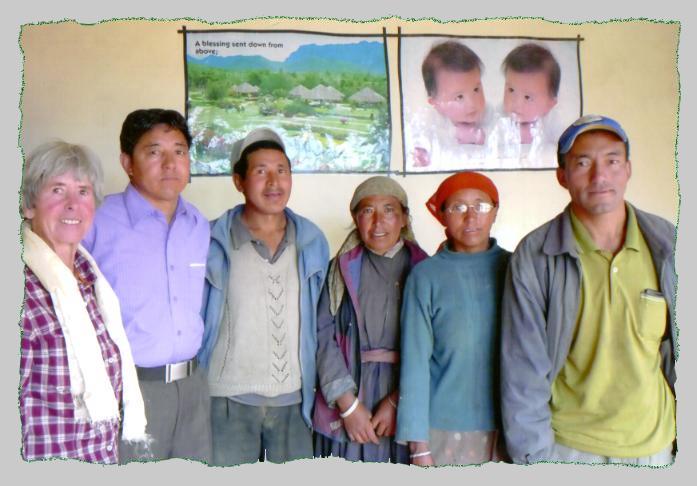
<point x="456" y="182"/>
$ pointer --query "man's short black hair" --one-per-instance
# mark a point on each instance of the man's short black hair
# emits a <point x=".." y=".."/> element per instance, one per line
<point x="138" y="122"/>
<point x="240" y="168"/>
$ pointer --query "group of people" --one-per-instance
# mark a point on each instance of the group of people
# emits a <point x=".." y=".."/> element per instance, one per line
<point x="459" y="123"/>
<point x="150" y="333"/>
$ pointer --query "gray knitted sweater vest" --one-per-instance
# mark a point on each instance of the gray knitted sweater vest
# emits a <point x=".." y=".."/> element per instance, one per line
<point x="258" y="345"/>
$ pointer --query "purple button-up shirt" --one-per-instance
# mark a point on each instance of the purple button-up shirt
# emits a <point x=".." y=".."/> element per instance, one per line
<point x="157" y="271"/>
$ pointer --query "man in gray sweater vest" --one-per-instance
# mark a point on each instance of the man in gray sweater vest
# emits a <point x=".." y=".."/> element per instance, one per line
<point x="264" y="274"/>
<point x="588" y="333"/>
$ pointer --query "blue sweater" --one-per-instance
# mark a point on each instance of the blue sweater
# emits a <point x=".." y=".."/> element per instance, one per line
<point x="450" y="341"/>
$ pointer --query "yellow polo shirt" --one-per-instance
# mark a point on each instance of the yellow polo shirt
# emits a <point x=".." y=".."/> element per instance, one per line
<point x="611" y="398"/>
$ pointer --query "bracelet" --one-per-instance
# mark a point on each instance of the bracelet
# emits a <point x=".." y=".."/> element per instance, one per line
<point x="350" y="410"/>
<point x="419" y="454"/>
<point x="391" y="402"/>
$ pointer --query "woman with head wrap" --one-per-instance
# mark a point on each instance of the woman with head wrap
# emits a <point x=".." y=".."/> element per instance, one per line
<point x="76" y="369"/>
<point x="358" y="329"/>
<point x="450" y="324"/>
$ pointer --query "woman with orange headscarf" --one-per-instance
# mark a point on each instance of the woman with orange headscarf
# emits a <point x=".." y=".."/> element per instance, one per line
<point x="449" y="409"/>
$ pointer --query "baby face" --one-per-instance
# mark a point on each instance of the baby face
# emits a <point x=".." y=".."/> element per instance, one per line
<point x="526" y="96"/>
<point x="459" y="96"/>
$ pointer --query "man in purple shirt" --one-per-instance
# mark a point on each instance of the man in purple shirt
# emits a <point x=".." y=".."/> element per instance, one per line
<point x="152" y="246"/>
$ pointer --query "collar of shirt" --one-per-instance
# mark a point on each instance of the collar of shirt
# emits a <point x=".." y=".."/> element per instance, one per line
<point x="139" y="208"/>
<point x="83" y="271"/>
<point x="392" y="251"/>
<point x="585" y="241"/>
<point x="240" y="235"/>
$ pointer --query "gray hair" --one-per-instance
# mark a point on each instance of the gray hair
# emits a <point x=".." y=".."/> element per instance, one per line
<point x="56" y="158"/>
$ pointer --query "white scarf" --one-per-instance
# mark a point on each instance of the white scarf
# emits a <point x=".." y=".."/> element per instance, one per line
<point x="90" y="386"/>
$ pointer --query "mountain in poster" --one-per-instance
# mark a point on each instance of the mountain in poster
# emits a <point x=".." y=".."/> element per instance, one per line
<point x="364" y="56"/>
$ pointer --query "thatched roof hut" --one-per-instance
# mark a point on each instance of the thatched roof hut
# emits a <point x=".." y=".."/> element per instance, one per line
<point x="325" y="93"/>
<point x="300" y="91"/>
<point x="245" y="88"/>
<point x="367" y="95"/>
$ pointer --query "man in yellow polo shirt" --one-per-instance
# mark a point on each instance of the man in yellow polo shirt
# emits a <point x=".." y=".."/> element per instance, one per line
<point x="589" y="338"/>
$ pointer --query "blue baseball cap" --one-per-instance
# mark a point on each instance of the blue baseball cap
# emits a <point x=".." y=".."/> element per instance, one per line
<point x="585" y="124"/>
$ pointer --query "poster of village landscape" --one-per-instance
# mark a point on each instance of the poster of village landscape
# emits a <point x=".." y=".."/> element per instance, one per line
<point x="327" y="96"/>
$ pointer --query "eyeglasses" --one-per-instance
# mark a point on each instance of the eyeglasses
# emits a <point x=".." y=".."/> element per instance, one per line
<point x="462" y="208"/>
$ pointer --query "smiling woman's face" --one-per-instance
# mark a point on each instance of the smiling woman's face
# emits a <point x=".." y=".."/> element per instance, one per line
<point x="62" y="213"/>
<point x="380" y="220"/>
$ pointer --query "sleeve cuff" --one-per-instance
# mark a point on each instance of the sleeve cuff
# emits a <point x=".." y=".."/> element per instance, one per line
<point x="336" y="388"/>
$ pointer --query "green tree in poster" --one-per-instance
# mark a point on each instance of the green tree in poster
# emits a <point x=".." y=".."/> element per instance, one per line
<point x="254" y="78"/>
<point x="310" y="80"/>
<point x="215" y="90"/>
<point x="276" y="84"/>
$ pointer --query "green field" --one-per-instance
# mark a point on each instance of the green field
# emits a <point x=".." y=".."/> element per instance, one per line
<point x="219" y="115"/>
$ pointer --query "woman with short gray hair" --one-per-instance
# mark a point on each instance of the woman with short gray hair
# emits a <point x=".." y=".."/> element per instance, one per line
<point x="76" y="369"/>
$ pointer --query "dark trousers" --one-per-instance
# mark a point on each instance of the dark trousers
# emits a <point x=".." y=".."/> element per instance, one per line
<point x="179" y="423"/>
<point x="246" y="433"/>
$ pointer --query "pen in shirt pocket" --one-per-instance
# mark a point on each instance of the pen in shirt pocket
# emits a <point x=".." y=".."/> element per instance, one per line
<point x="652" y="294"/>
